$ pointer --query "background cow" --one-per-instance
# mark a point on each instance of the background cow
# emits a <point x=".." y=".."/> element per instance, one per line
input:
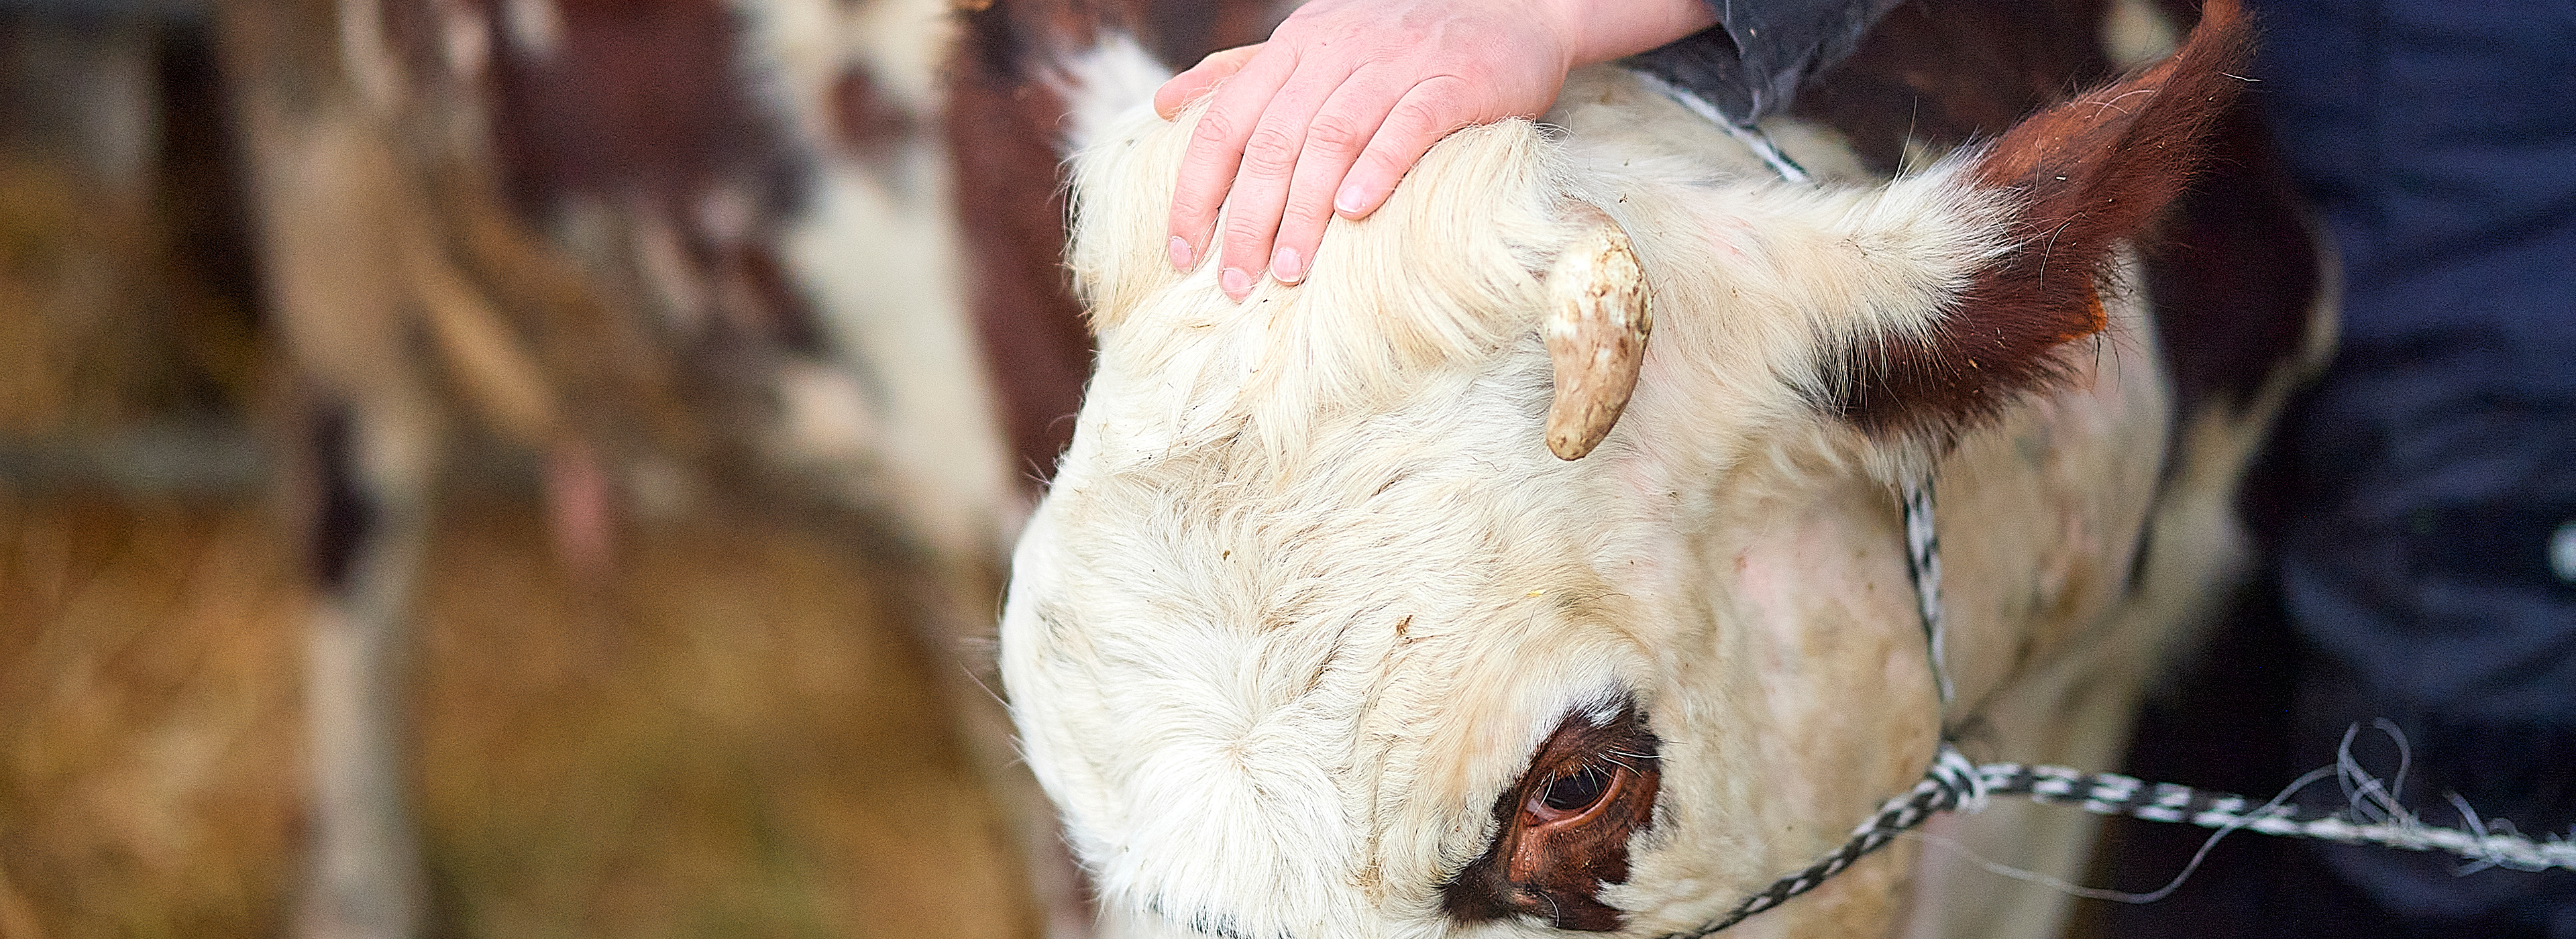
<point x="679" y="249"/>
<point x="1313" y="637"/>
<point x="670" y="260"/>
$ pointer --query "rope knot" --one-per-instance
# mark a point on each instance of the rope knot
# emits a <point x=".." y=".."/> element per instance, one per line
<point x="1963" y="784"/>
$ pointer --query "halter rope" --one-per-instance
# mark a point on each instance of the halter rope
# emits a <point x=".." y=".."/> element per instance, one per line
<point x="1955" y="783"/>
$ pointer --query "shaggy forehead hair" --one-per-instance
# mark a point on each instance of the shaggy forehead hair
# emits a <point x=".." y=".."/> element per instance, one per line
<point x="1442" y="277"/>
<point x="1309" y="588"/>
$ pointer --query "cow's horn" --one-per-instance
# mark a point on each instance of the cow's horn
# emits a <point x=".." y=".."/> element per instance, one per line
<point x="1596" y="333"/>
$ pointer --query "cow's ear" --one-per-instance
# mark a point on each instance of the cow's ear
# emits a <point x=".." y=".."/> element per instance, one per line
<point x="2082" y="176"/>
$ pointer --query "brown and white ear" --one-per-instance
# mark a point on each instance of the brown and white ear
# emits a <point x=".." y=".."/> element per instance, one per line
<point x="1597" y="323"/>
<point x="2084" y="176"/>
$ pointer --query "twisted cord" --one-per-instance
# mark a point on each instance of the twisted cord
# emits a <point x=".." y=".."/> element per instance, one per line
<point x="1923" y="567"/>
<point x="2114" y="794"/>
<point x="1956" y="784"/>
<point x="1952" y="783"/>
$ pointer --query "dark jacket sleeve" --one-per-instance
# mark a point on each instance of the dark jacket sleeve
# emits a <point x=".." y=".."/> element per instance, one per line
<point x="1752" y="62"/>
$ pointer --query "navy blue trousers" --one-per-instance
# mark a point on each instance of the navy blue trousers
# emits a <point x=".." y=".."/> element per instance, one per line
<point x="2419" y="505"/>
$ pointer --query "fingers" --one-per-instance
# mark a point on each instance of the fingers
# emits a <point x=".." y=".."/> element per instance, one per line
<point x="1427" y="112"/>
<point x="1271" y="157"/>
<point x="1334" y="141"/>
<point x="1216" y="150"/>
<point x="1326" y="118"/>
<point x="1323" y="143"/>
<point x="1188" y="86"/>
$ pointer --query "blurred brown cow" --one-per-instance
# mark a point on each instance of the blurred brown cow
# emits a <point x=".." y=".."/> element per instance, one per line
<point x="676" y="249"/>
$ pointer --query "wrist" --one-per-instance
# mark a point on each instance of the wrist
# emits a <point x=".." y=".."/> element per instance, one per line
<point x="1594" y="31"/>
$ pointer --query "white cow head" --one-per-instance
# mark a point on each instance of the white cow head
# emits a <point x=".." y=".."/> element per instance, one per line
<point x="1314" y="637"/>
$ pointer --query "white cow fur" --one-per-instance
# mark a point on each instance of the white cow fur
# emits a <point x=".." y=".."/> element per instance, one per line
<point x="1309" y="588"/>
<point x="878" y="252"/>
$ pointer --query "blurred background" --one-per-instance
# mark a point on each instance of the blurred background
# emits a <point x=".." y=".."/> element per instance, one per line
<point x="605" y="369"/>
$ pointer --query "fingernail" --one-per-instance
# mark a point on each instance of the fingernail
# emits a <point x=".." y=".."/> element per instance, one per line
<point x="1180" y="250"/>
<point x="1285" y="266"/>
<point x="1235" y="281"/>
<point x="1351" y="200"/>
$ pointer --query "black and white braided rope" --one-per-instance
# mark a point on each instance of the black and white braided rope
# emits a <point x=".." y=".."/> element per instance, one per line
<point x="2114" y="794"/>
<point x="1923" y="567"/>
<point x="1955" y="783"/>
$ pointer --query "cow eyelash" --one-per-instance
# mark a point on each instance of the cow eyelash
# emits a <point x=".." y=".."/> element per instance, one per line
<point x="1590" y="765"/>
<point x="1620" y="758"/>
<point x="1577" y="792"/>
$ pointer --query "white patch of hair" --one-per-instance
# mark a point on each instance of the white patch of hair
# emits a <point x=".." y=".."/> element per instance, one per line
<point x="877" y="250"/>
<point x="1103" y="86"/>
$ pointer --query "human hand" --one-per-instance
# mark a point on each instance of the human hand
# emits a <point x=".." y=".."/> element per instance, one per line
<point x="1328" y="115"/>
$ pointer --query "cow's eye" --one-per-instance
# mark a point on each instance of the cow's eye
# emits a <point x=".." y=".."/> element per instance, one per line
<point x="1574" y="792"/>
<point x="1562" y="829"/>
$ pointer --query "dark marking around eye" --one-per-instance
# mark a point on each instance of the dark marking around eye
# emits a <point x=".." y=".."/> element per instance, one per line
<point x="1563" y="828"/>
